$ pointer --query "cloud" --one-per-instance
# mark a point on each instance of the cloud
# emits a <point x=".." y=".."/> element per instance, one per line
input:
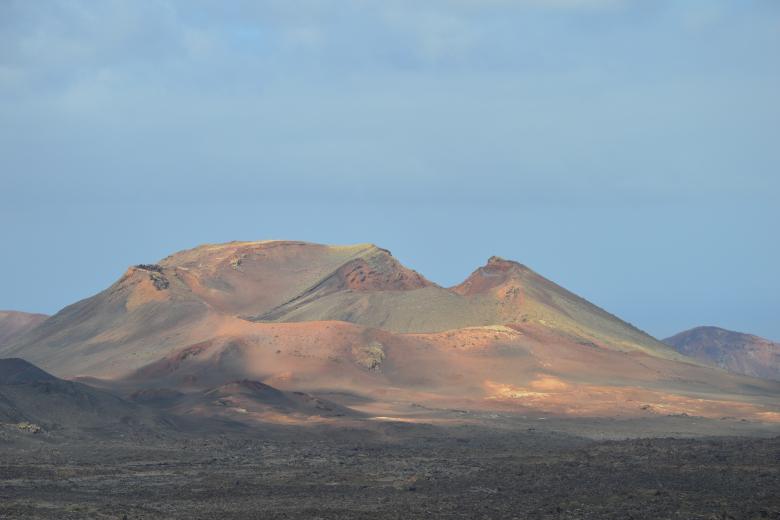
<point x="555" y="98"/>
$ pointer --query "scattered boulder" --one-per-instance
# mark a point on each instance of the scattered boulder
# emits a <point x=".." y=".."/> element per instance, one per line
<point x="236" y="262"/>
<point x="150" y="267"/>
<point x="369" y="356"/>
<point x="159" y="280"/>
<point x="29" y="427"/>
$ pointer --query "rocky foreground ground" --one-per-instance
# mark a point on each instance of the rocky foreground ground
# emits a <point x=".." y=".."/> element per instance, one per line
<point x="395" y="471"/>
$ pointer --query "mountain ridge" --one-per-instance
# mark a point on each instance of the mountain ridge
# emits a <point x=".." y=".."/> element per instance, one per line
<point x="16" y="323"/>
<point x="295" y="281"/>
<point x="352" y="320"/>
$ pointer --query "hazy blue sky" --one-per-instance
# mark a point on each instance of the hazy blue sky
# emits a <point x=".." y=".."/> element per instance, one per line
<point x="629" y="150"/>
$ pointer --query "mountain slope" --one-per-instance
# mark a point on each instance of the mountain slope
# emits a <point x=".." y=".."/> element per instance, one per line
<point x="527" y="367"/>
<point x="252" y="401"/>
<point x="28" y="394"/>
<point x="15" y="323"/>
<point x="500" y="293"/>
<point x="734" y="351"/>
<point x="15" y="371"/>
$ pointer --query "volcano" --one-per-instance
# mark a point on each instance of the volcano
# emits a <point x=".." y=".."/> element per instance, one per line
<point x="353" y="325"/>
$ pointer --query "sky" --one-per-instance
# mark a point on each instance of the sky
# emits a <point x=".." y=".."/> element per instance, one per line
<point x="627" y="149"/>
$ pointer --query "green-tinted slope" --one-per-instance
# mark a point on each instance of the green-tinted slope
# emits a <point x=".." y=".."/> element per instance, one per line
<point x="499" y="293"/>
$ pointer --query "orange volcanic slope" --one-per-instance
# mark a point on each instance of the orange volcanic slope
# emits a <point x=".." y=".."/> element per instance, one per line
<point x="14" y="323"/>
<point x="337" y="320"/>
<point x="189" y="296"/>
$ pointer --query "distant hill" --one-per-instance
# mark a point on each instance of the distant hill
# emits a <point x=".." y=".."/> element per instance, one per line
<point x="734" y="351"/>
<point x="15" y="323"/>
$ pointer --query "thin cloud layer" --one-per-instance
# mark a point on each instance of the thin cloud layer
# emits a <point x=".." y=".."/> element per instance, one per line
<point x="549" y="94"/>
<point x="544" y="110"/>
